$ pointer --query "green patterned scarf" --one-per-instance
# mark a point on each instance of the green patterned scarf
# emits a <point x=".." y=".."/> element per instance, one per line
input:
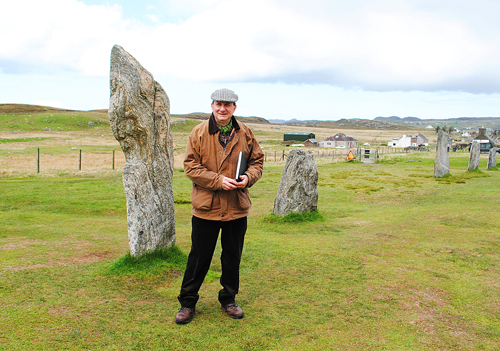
<point x="226" y="129"/>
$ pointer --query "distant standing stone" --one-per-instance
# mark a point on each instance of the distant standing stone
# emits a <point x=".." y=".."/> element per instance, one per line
<point x="139" y="112"/>
<point x="442" y="160"/>
<point x="297" y="191"/>
<point x="492" y="158"/>
<point x="475" y="154"/>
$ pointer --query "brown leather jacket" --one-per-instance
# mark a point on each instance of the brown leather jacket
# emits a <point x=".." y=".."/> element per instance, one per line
<point x="206" y="162"/>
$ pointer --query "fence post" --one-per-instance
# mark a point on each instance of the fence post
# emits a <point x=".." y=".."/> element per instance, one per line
<point x="113" y="167"/>
<point x="80" y="161"/>
<point x="38" y="160"/>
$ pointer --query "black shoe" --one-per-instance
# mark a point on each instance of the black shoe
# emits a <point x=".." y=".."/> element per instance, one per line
<point x="233" y="310"/>
<point x="185" y="315"/>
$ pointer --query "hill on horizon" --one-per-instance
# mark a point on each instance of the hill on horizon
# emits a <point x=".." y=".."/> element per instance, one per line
<point x="341" y="124"/>
<point x="27" y="108"/>
<point x="392" y="122"/>
<point x="458" y="122"/>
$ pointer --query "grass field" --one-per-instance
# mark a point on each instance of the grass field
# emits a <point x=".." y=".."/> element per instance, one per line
<point x="400" y="261"/>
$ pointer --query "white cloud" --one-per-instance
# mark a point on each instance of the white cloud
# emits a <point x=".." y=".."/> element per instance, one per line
<point x="58" y="34"/>
<point x="153" y="18"/>
<point x="375" y="45"/>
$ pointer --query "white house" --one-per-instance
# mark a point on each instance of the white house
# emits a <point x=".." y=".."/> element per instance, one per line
<point x="409" y="140"/>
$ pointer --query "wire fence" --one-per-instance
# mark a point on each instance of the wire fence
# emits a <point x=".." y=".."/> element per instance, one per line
<point x="21" y="161"/>
<point x="113" y="160"/>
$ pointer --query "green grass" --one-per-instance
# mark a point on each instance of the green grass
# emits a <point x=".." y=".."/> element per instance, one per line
<point x="184" y="125"/>
<point x="293" y="217"/>
<point x="396" y="260"/>
<point x="22" y="140"/>
<point x="67" y="121"/>
<point x="150" y="264"/>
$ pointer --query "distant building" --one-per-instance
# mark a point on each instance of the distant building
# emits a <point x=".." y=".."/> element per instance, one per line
<point x="485" y="142"/>
<point x="422" y="140"/>
<point x="409" y="140"/>
<point x="298" y="136"/>
<point x="339" y="140"/>
<point x="311" y="143"/>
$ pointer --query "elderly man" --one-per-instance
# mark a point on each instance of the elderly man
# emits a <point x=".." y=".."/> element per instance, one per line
<point x="220" y="202"/>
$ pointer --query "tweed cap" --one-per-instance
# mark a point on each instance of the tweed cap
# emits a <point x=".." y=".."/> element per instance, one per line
<point x="225" y="95"/>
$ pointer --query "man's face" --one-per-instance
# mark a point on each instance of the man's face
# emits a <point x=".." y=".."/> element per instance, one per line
<point x="223" y="111"/>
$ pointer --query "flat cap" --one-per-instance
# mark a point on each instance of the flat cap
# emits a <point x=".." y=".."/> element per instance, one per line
<point x="225" y="95"/>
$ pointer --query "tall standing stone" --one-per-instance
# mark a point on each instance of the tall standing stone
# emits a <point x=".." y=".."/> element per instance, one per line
<point x="442" y="160"/>
<point x="298" y="188"/>
<point x="475" y="154"/>
<point x="492" y="158"/>
<point x="139" y="112"/>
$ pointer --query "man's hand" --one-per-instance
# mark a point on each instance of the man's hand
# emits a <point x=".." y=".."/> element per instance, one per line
<point x="229" y="183"/>
<point x="232" y="184"/>
<point x="244" y="181"/>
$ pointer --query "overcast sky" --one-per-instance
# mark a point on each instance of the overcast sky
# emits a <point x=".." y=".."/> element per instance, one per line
<point x="314" y="59"/>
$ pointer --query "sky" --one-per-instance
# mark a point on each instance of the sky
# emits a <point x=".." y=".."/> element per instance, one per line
<point x="309" y="60"/>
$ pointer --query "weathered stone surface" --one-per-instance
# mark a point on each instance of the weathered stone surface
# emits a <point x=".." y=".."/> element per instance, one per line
<point x="139" y="112"/>
<point x="492" y="158"/>
<point x="297" y="191"/>
<point x="475" y="154"/>
<point x="442" y="160"/>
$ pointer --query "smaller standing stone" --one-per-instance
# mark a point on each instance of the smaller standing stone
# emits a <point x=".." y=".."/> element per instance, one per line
<point x="297" y="191"/>
<point x="442" y="160"/>
<point x="492" y="158"/>
<point x="475" y="154"/>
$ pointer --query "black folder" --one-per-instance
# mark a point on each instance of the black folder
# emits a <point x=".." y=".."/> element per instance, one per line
<point x="241" y="167"/>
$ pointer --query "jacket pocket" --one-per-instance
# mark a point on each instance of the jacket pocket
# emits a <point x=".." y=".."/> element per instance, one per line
<point x="201" y="198"/>
<point x="244" y="201"/>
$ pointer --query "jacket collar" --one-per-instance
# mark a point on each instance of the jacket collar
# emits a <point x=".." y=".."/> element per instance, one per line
<point x="212" y="124"/>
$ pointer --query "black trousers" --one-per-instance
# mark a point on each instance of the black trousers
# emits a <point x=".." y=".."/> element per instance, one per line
<point x="204" y="237"/>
